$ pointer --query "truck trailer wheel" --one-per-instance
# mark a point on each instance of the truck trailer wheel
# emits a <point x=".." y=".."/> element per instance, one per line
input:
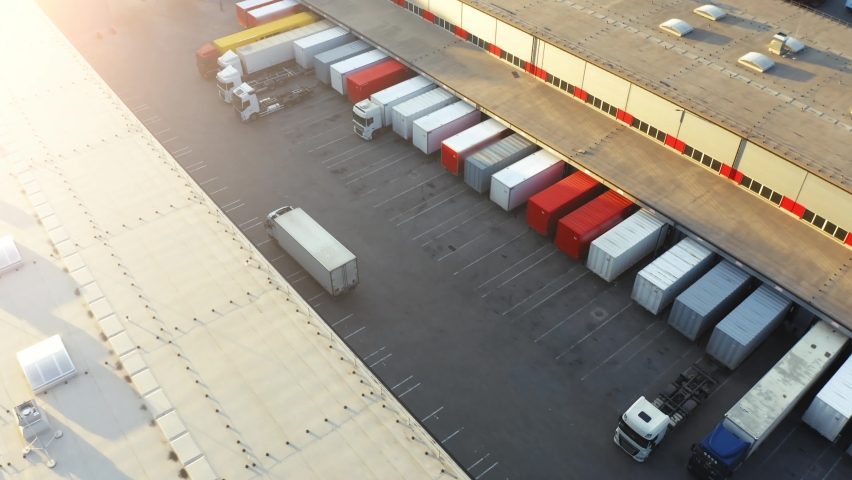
<point x="252" y="117"/>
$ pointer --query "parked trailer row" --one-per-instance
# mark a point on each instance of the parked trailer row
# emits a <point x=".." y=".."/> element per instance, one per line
<point x="748" y="423"/>
<point x="305" y="49"/>
<point x="371" y="117"/>
<point x="617" y="250"/>
<point x="576" y="231"/>
<point x="431" y="130"/>
<point x="361" y="84"/>
<point x="323" y="61"/>
<point x="670" y="274"/>
<point x="545" y="209"/>
<point x="480" y="166"/>
<point x="830" y="411"/>
<point x="514" y="185"/>
<point x="407" y="112"/>
<point x="341" y="70"/>
<point x="272" y="12"/>
<point x="457" y="148"/>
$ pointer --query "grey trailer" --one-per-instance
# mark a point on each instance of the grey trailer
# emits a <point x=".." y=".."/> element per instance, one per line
<point x="671" y="273"/>
<point x="323" y="61"/>
<point x="832" y="408"/>
<point x="320" y="254"/>
<point x="621" y="247"/>
<point x="709" y="299"/>
<point x="479" y="167"/>
<point x="739" y="333"/>
<point x="305" y="49"/>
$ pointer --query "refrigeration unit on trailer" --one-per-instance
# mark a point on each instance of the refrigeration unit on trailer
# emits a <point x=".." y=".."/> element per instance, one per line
<point x="713" y="296"/>
<point x="670" y="274"/>
<point x="577" y="230"/>
<point x="617" y="250"/>
<point x="340" y="71"/>
<point x="272" y="12"/>
<point x="458" y="147"/>
<point x="546" y="208"/>
<point x="371" y="117"/>
<point x="747" y="326"/>
<point x="360" y="85"/>
<point x="323" y="61"/>
<point x="748" y="423"/>
<point x="404" y="114"/>
<point x="645" y="424"/>
<point x="247" y="5"/>
<point x="206" y="57"/>
<point x="429" y="131"/>
<point x="479" y="167"/>
<point x="831" y="410"/>
<point x="305" y="49"/>
<point x="515" y="184"/>
<point x="320" y="254"/>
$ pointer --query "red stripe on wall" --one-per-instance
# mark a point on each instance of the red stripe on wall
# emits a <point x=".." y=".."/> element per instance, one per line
<point x="461" y="32"/>
<point x="725" y="171"/>
<point x="787" y="204"/>
<point x="680" y="146"/>
<point x="429" y="16"/>
<point x="542" y="74"/>
<point x="620" y="115"/>
<point x="848" y="239"/>
<point x="580" y="93"/>
<point x="798" y="210"/>
<point x="670" y="141"/>
<point x="498" y="51"/>
<point x="736" y="176"/>
<point x="628" y="119"/>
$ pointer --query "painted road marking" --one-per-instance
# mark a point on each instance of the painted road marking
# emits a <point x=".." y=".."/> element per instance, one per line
<point x="382" y="359"/>
<point x="240" y="225"/>
<point x="370" y="355"/>
<point x="410" y="389"/>
<point x="432" y="414"/>
<point x="625" y="346"/>
<point x="492" y="251"/>
<point x="452" y="435"/>
<point x="400" y="383"/>
<point x="344" y="318"/>
<point x="486" y="470"/>
<point x="410" y="189"/>
<point x="353" y="333"/>
<point x="568" y="318"/>
<point x="208" y="181"/>
<point x="217" y="191"/>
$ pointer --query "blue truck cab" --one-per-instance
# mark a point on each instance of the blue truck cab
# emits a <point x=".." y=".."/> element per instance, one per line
<point x="718" y="455"/>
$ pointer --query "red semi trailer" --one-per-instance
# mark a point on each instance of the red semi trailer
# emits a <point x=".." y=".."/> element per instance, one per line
<point x="545" y="208"/>
<point x="248" y="5"/>
<point x="578" y="229"/>
<point x="362" y="84"/>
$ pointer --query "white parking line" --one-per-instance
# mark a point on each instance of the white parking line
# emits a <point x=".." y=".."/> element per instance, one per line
<point x="432" y="414"/>
<point x="410" y="389"/>
<point x="622" y="348"/>
<point x="240" y="225"/>
<point x="124" y="91"/>
<point x="129" y="98"/>
<point x="400" y="383"/>
<point x="566" y="319"/>
<point x="292" y="274"/>
<point x="832" y="467"/>
<point x="451" y="218"/>
<point x="464" y="190"/>
<point x="511" y="267"/>
<point x="194" y="164"/>
<point x="382" y="359"/>
<point x="492" y="251"/>
<point x="315" y="296"/>
<point x="478" y="461"/>
<point x="261" y="243"/>
<point x="162" y="131"/>
<point x="252" y="226"/>
<point x="459" y="225"/>
<point x="321" y="134"/>
<point x="317" y="121"/>
<point x="370" y="355"/>
<point x="344" y="318"/>
<point x="353" y="148"/>
<point x="234" y="208"/>
<point x="186" y="148"/>
<point x="374" y="164"/>
<point x="380" y="168"/>
<point x="195" y="169"/>
<point x="139" y="108"/>
<point x="410" y="189"/>
<point x="182" y="154"/>
<point x="331" y="142"/>
<point x="551" y="295"/>
<point x="353" y="333"/>
<point x="452" y="435"/>
<point x="643" y="347"/>
<point x="282" y="256"/>
<point x="427" y="201"/>
<point x="782" y="443"/>
<point x="217" y="191"/>
<point x="466" y="244"/>
<point x="298" y="280"/>
<point x="169" y="140"/>
<point x="208" y="181"/>
<point x="486" y="470"/>
<point x="540" y="289"/>
<point x="229" y="204"/>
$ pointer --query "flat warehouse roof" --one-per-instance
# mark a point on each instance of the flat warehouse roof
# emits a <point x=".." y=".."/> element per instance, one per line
<point x="774" y="243"/>
<point x="799" y="109"/>
<point x="169" y="315"/>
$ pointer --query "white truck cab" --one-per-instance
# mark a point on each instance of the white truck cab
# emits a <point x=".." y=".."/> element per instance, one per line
<point x="641" y="429"/>
<point x="245" y="103"/>
<point x="226" y="80"/>
<point x="230" y="59"/>
<point x="367" y="119"/>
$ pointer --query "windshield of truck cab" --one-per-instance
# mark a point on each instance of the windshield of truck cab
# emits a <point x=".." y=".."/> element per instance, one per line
<point x="359" y="119"/>
<point x="633" y="435"/>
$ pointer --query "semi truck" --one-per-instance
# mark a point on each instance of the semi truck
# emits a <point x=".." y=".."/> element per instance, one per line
<point x="248" y="108"/>
<point x="206" y="57"/>
<point x="264" y="64"/>
<point x="324" y="258"/>
<point x="748" y="423"/>
<point x="371" y="117"/>
<point x="645" y="424"/>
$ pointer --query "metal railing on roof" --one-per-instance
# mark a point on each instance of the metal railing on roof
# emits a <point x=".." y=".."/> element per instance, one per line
<point x="819" y="12"/>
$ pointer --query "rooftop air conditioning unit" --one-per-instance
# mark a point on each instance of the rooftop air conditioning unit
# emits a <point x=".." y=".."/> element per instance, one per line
<point x="782" y="44"/>
<point x="34" y="425"/>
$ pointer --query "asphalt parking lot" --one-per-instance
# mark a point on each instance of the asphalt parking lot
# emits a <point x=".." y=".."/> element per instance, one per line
<point x="516" y="357"/>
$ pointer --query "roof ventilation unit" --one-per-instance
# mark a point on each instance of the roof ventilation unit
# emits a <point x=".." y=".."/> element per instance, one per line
<point x="782" y="44"/>
<point x="756" y="61"/>
<point x="676" y="27"/>
<point x="711" y="12"/>
<point x="46" y="364"/>
<point x="9" y="255"/>
<point x="34" y="425"/>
